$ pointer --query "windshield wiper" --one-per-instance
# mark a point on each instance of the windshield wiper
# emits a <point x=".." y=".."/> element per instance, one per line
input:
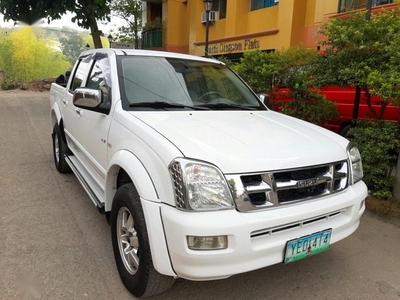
<point x="163" y="105"/>
<point x="227" y="105"/>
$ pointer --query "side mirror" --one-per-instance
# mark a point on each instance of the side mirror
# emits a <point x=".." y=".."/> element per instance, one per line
<point x="266" y="100"/>
<point x="263" y="97"/>
<point x="90" y="99"/>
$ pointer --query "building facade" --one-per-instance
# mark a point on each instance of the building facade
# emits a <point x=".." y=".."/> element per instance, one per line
<point x="239" y="26"/>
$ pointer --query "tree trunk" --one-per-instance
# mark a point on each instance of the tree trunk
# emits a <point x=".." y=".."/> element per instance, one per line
<point x="96" y="35"/>
<point x="368" y="100"/>
<point x="136" y="37"/>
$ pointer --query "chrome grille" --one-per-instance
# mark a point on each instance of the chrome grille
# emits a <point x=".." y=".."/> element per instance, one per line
<point x="300" y="193"/>
<point x="179" y="186"/>
<point x="271" y="189"/>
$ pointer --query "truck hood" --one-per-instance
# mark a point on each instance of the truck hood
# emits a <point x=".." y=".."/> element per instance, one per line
<point x="244" y="141"/>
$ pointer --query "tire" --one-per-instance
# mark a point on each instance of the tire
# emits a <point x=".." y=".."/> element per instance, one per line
<point x="60" y="149"/>
<point x="129" y="233"/>
<point x="345" y="130"/>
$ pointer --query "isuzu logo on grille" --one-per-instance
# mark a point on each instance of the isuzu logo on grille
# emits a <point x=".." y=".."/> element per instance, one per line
<point x="307" y="183"/>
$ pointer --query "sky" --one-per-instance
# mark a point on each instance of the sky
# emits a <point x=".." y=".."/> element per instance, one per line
<point x="106" y="27"/>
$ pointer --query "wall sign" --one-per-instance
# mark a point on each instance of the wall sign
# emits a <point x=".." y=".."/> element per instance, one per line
<point x="247" y="44"/>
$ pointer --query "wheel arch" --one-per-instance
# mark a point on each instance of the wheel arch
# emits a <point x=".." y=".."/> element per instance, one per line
<point x="124" y="168"/>
<point x="55" y="116"/>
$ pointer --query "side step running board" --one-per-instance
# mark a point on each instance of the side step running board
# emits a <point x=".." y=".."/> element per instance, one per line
<point x="85" y="185"/>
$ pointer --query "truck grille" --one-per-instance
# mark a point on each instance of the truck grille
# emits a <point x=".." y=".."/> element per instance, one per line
<point x="271" y="189"/>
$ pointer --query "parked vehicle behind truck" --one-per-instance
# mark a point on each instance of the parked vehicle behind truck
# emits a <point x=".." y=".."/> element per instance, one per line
<point x="197" y="178"/>
<point x="343" y="98"/>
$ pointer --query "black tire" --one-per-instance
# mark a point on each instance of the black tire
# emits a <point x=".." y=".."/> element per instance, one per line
<point x="60" y="149"/>
<point x="143" y="280"/>
<point x="345" y="130"/>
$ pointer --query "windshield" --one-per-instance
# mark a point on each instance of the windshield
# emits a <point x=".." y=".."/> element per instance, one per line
<point x="148" y="82"/>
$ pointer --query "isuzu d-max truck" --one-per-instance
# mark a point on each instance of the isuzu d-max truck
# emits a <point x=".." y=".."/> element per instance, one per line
<point x="197" y="178"/>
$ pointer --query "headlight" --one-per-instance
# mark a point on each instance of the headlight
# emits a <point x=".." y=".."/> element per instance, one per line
<point x="356" y="164"/>
<point x="199" y="186"/>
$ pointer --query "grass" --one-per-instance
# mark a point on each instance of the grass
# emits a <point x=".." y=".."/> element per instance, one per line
<point x="383" y="208"/>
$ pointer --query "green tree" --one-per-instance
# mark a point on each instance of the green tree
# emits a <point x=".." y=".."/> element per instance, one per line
<point x="363" y="54"/>
<point x="285" y="68"/>
<point x="291" y="69"/>
<point x="25" y="57"/>
<point x="88" y="12"/>
<point x="258" y="69"/>
<point x="131" y="12"/>
<point x="72" y="46"/>
<point x="6" y="51"/>
<point x="308" y="105"/>
<point x="31" y="11"/>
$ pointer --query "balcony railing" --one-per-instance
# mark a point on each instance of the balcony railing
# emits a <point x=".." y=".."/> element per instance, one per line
<point x="347" y="5"/>
<point x="152" y="38"/>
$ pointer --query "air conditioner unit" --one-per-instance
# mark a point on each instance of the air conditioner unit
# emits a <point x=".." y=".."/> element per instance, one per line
<point x="213" y="17"/>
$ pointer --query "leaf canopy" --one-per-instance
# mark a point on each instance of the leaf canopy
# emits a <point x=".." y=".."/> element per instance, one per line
<point x="87" y="12"/>
<point x="31" y="11"/>
<point x="362" y="53"/>
<point x="131" y="12"/>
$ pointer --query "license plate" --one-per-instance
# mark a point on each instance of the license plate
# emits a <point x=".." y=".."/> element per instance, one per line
<point x="307" y="245"/>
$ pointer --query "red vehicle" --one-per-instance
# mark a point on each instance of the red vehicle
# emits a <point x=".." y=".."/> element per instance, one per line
<point x="344" y="100"/>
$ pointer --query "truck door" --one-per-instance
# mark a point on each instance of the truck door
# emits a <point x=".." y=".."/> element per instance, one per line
<point x="90" y="129"/>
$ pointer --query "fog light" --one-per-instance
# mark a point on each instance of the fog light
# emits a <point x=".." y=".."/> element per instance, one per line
<point x="207" y="242"/>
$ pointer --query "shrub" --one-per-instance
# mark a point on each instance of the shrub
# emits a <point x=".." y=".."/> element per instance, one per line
<point x="8" y="85"/>
<point x="379" y="144"/>
<point x="309" y="106"/>
<point x="257" y="68"/>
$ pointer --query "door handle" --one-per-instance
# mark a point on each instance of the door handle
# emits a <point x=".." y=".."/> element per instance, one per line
<point x="79" y="112"/>
<point x="65" y="101"/>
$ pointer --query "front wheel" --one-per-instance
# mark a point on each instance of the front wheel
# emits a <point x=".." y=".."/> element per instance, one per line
<point x="60" y="149"/>
<point x="131" y="245"/>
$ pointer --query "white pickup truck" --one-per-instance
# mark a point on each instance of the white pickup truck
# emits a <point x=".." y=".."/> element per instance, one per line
<point x="197" y="178"/>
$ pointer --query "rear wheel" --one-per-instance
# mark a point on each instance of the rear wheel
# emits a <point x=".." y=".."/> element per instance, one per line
<point x="60" y="149"/>
<point x="131" y="245"/>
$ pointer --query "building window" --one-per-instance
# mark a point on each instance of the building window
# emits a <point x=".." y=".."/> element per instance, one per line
<point x="220" y="6"/>
<point x="215" y="6"/>
<point x="222" y="9"/>
<point x="346" y="5"/>
<point x="259" y="4"/>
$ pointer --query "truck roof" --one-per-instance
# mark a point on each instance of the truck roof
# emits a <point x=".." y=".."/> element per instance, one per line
<point x="136" y="52"/>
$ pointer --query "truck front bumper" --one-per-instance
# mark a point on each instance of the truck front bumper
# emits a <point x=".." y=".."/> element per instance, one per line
<point x="248" y="249"/>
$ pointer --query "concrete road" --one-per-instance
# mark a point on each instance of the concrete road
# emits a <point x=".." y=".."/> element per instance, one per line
<point x="55" y="245"/>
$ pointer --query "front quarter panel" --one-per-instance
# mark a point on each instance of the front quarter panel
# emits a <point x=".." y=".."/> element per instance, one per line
<point x="152" y="150"/>
<point x="136" y="171"/>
